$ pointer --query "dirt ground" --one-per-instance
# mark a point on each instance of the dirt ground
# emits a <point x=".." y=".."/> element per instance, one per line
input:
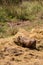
<point x="12" y="54"/>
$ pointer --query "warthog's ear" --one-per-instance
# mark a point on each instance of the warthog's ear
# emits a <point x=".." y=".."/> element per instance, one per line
<point x="19" y="37"/>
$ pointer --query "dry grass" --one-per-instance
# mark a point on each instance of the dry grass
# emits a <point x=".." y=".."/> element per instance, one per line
<point x="8" y="49"/>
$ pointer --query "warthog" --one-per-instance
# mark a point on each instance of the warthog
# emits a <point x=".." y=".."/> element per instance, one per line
<point x="25" y="42"/>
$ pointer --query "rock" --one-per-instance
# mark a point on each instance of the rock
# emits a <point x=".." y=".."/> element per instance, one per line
<point x="25" y="42"/>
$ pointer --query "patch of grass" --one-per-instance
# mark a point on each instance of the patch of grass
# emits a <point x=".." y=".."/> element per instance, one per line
<point x="25" y="11"/>
<point x="7" y="30"/>
<point x="29" y="10"/>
